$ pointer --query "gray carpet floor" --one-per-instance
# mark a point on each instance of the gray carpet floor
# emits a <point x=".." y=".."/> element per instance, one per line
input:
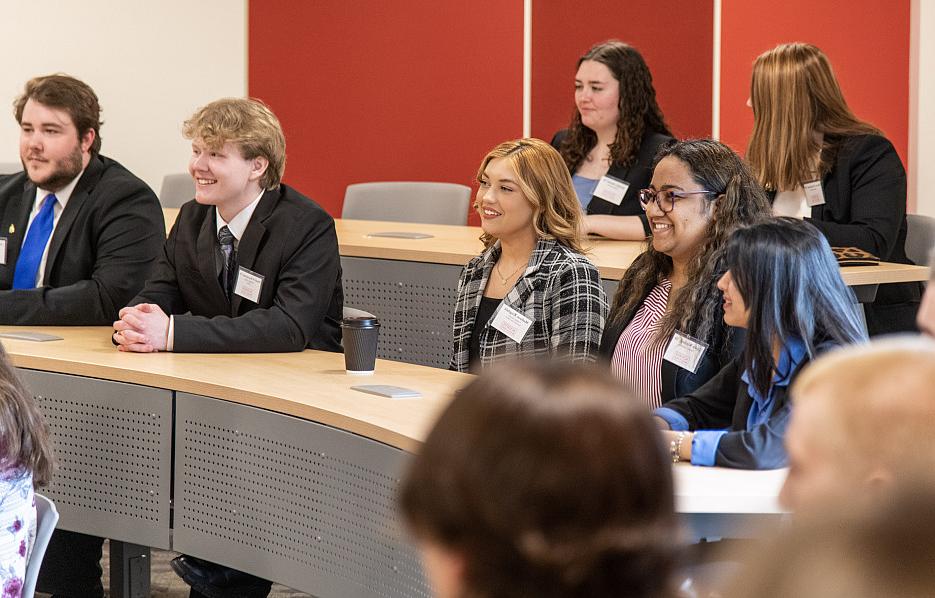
<point x="166" y="584"/>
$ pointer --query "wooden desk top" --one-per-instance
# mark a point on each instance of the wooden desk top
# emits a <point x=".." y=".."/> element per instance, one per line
<point x="310" y="385"/>
<point x="456" y="245"/>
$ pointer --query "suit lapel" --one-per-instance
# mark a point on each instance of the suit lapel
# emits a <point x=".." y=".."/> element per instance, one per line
<point x="87" y="182"/>
<point x="16" y="219"/>
<point x="249" y="245"/>
<point x="207" y="258"/>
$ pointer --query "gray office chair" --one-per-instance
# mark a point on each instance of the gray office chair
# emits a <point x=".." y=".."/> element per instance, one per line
<point x="427" y="203"/>
<point x="176" y="190"/>
<point x="47" y="516"/>
<point x="920" y="238"/>
<point x="10" y="167"/>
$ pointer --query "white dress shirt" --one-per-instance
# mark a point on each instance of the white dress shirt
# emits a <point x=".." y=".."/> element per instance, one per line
<point x="236" y="226"/>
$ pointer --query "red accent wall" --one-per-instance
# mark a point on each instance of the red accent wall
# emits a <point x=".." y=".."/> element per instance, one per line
<point x="374" y="90"/>
<point x="867" y="42"/>
<point x="675" y="38"/>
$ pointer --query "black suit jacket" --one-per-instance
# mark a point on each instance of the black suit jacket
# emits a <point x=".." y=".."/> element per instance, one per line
<point x="100" y="253"/>
<point x="291" y="242"/>
<point x="638" y="175"/>
<point x="865" y="207"/>
<point x="724" y="402"/>
<point x="725" y="343"/>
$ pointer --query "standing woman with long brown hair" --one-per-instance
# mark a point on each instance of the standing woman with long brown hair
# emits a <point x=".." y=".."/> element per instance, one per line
<point x="818" y="161"/>
<point x="612" y="139"/>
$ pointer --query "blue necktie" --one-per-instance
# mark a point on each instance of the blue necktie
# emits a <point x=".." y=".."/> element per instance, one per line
<point x="27" y="265"/>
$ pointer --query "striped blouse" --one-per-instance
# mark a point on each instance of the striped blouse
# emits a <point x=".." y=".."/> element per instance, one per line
<point x="637" y="360"/>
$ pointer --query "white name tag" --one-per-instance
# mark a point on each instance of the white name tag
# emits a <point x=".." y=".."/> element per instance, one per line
<point x="248" y="285"/>
<point x="611" y="189"/>
<point x="2" y="251"/>
<point x="511" y="323"/>
<point x="814" y="194"/>
<point x="685" y="351"/>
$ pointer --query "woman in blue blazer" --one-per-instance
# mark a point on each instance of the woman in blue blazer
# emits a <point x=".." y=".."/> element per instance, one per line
<point x="784" y="286"/>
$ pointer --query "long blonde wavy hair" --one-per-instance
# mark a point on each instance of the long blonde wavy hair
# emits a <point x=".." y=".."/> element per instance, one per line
<point x="544" y="180"/>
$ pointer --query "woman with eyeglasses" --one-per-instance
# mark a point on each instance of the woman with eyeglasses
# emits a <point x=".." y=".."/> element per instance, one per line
<point x="665" y="335"/>
<point x="614" y="134"/>
<point x="783" y="285"/>
<point x="818" y="161"/>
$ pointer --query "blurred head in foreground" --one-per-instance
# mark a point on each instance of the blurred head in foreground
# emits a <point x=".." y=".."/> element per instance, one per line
<point x="543" y="480"/>
<point x="885" y="549"/>
<point x="862" y="424"/>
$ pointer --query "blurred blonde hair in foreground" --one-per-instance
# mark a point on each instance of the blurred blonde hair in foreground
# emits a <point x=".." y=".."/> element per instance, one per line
<point x="884" y="549"/>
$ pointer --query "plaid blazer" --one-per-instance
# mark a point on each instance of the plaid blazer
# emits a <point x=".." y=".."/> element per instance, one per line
<point x="561" y="293"/>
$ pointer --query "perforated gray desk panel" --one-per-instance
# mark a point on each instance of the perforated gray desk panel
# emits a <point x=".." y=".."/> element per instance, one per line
<point x="113" y="442"/>
<point x="298" y="502"/>
<point x="414" y="302"/>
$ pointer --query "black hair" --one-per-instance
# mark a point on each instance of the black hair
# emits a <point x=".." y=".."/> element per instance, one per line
<point x="790" y="281"/>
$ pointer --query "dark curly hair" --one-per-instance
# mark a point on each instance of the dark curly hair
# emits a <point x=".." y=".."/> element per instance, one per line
<point x="639" y="112"/>
<point x="551" y="481"/>
<point x="696" y="308"/>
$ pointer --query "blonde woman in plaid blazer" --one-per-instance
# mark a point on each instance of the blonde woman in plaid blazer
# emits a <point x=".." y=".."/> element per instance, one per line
<point x="532" y="270"/>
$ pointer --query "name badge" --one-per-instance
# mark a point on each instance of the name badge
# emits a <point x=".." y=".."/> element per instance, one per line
<point x="248" y="285"/>
<point x="611" y="189"/>
<point x="814" y="194"/>
<point x="685" y="351"/>
<point x="511" y="323"/>
<point x="2" y="251"/>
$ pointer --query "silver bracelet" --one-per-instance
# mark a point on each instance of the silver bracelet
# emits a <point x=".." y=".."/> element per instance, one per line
<point x="675" y="447"/>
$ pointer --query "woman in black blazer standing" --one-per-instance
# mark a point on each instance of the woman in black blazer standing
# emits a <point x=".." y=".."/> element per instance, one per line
<point x="701" y="192"/>
<point x="784" y="287"/>
<point x="820" y="162"/>
<point x="612" y="139"/>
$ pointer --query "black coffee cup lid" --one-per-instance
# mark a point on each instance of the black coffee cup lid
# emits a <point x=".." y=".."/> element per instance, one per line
<point x="360" y="322"/>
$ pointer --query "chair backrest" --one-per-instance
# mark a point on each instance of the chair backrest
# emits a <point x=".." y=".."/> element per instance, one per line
<point x="176" y="190"/>
<point x="10" y="167"/>
<point x="427" y="203"/>
<point x="920" y="238"/>
<point x="47" y="517"/>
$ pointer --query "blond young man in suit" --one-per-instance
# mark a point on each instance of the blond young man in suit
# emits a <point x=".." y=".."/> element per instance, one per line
<point x="250" y="265"/>
<point x="278" y="288"/>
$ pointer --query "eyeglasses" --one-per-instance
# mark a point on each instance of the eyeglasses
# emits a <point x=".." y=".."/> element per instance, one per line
<point x="665" y="200"/>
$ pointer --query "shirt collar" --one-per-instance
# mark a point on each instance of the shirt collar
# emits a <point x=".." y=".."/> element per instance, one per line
<point x="790" y="357"/>
<point x="792" y="354"/>
<point x="238" y="223"/>
<point x="62" y="195"/>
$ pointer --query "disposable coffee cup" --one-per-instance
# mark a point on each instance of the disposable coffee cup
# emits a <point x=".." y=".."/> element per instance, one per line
<point x="359" y="337"/>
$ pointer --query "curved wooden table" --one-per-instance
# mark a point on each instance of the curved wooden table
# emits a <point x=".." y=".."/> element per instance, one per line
<point x="270" y="463"/>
